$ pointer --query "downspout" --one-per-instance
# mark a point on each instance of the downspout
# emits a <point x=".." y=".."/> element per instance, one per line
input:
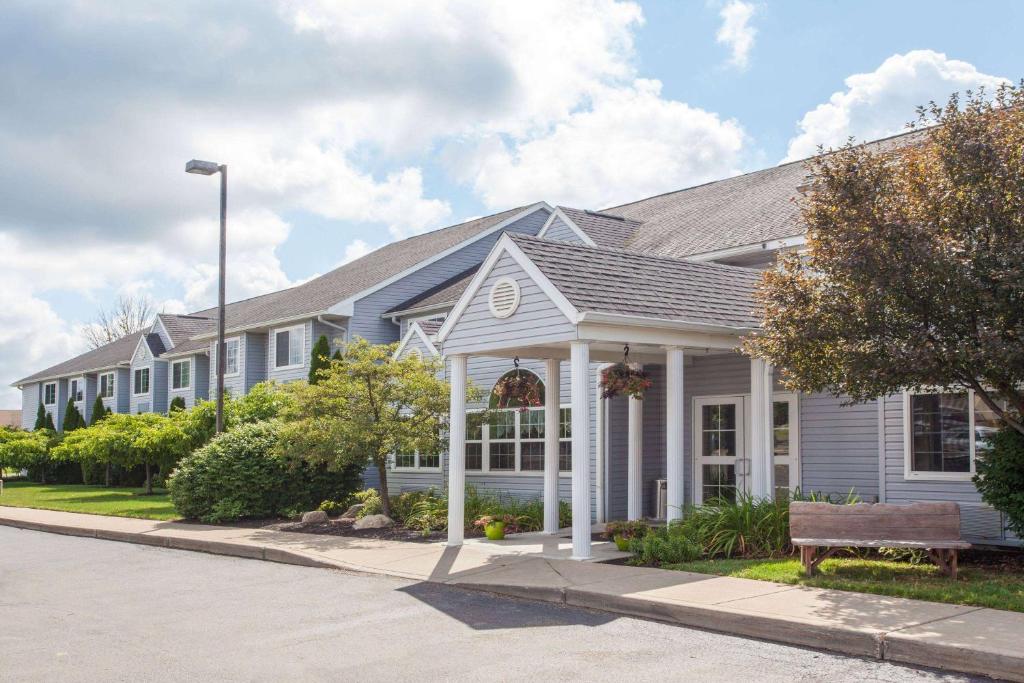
<point x="320" y="319"/>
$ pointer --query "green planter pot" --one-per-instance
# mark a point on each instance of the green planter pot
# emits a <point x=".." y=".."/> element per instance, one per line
<point x="495" y="531"/>
<point x="622" y="543"/>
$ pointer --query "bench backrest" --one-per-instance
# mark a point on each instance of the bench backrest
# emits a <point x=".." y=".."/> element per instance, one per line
<point x="875" y="521"/>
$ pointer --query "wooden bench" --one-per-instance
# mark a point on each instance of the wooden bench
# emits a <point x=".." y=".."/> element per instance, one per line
<point x="934" y="527"/>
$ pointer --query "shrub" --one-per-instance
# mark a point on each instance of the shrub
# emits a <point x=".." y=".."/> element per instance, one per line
<point x="1000" y="477"/>
<point x="239" y="474"/>
<point x="177" y="403"/>
<point x="626" y="530"/>
<point x="333" y="507"/>
<point x="370" y="499"/>
<point x="664" y="545"/>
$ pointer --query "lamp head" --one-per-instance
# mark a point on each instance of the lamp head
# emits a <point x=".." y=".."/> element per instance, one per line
<point x="202" y="167"/>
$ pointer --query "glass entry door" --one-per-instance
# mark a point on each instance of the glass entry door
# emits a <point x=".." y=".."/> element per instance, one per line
<point x="719" y="448"/>
<point x="785" y="442"/>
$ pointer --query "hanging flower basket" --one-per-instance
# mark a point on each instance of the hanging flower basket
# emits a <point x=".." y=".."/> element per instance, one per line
<point x="518" y="390"/>
<point x="621" y="379"/>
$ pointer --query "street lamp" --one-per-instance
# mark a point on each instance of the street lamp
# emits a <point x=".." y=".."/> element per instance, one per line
<point x="209" y="168"/>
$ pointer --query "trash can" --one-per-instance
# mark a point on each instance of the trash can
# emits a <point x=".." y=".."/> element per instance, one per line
<point x="661" y="498"/>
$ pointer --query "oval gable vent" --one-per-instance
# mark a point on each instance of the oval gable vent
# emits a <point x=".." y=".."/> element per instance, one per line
<point x="504" y="298"/>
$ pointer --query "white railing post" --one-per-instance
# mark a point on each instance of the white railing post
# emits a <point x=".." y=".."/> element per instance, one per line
<point x="580" y="390"/>
<point x="552" y="414"/>
<point x="457" y="452"/>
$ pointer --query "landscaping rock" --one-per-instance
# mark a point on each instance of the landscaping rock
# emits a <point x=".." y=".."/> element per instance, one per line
<point x="314" y="517"/>
<point x="351" y="512"/>
<point x="373" y="522"/>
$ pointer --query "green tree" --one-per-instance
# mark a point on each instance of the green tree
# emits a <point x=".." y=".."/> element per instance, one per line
<point x="41" y="417"/>
<point x="320" y="359"/>
<point x="177" y="403"/>
<point x="366" y="407"/>
<point x="48" y="423"/>
<point x="913" y="276"/>
<point x="337" y="355"/>
<point x="20" y="449"/>
<point x="99" y="411"/>
<point x="72" y="417"/>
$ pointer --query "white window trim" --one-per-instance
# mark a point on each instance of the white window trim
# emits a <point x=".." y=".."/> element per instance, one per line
<point x="485" y="460"/>
<point x="99" y="384"/>
<point x="416" y="467"/>
<point x="909" y="473"/>
<point x="149" y="382"/>
<point x="188" y="386"/>
<point x="54" y="401"/>
<point x="302" y="350"/>
<point x="81" y="384"/>
<point x="238" y="357"/>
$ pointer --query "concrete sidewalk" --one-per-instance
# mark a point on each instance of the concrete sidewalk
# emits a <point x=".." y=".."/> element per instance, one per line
<point x="966" y="639"/>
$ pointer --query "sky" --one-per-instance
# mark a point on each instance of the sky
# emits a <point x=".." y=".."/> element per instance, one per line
<point x="347" y="125"/>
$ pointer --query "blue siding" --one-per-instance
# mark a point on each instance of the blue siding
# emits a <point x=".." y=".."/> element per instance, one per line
<point x="122" y="391"/>
<point x="255" y="367"/>
<point x="537" y="320"/>
<point x="201" y="377"/>
<point x="30" y="400"/>
<point x="367" y="321"/>
<point x="838" y="446"/>
<point x="158" y="384"/>
<point x="558" y="230"/>
<point x="89" y="397"/>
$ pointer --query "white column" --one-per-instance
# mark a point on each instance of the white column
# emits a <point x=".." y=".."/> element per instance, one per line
<point x="675" y="414"/>
<point x="580" y="390"/>
<point x="457" y="452"/>
<point x="761" y="460"/>
<point x="635" y="458"/>
<point x="552" y="410"/>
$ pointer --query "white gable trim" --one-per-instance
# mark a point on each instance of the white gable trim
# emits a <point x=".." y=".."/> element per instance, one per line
<point x="347" y="306"/>
<point x="142" y="342"/>
<point x="569" y="222"/>
<point x="505" y="245"/>
<point x="415" y="329"/>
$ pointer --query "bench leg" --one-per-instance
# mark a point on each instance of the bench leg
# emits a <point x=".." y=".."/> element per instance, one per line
<point x="946" y="559"/>
<point x="807" y="553"/>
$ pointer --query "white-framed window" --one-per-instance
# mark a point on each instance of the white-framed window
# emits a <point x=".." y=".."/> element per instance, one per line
<point x="514" y="441"/>
<point x="50" y="393"/>
<point x="418" y="461"/>
<point x="181" y="374"/>
<point x="140" y="381"/>
<point x="76" y="389"/>
<point x="231" y="356"/>
<point x="289" y="347"/>
<point x="945" y="433"/>
<point x="106" y="381"/>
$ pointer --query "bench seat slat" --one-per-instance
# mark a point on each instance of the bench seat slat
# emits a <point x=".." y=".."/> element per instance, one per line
<point x="860" y="543"/>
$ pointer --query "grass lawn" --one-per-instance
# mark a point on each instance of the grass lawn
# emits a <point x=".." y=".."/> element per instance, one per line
<point x="981" y="585"/>
<point x="96" y="500"/>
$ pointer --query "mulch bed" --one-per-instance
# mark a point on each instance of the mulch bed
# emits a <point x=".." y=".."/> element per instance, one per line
<point x="343" y="527"/>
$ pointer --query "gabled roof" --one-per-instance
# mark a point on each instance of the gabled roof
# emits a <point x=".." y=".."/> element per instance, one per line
<point x="319" y="294"/>
<point x="118" y="352"/>
<point x="606" y="230"/>
<point x="744" y="210"/>
<point x="184" y="327"/>
<point x="601" y="280"/>
<point x="422" y="330"/>
<point x="448" y="292"/>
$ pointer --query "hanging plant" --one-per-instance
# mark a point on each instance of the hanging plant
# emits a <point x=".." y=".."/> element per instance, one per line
<point x="520" y="390"/>
<point x="622" y="379"/>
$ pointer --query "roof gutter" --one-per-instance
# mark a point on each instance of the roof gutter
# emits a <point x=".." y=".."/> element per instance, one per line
<point x="263" y="323"/>
<point x="76" y="373"/>
<point x="420" y="309"/>
<point x="643" y="321"/>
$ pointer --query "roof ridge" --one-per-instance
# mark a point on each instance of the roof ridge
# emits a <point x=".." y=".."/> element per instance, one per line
<point x="517" y="237"/>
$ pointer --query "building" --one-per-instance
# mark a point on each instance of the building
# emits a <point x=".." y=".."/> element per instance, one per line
<point x="556" y="292"/>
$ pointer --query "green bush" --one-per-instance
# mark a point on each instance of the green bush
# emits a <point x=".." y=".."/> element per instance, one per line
<point x="333" y="507"/>
<point x="664" y="545"/>
<point x="239" y="474"/>
<point x="626" y="530"/>
<point x="1000" y="477"/>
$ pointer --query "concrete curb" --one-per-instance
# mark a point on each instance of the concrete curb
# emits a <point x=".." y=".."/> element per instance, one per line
<point x="895" y="646"/>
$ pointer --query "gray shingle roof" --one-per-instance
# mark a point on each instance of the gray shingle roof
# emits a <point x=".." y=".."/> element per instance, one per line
<point x="322" y="292"/>
<point x="429" y="327"/>
<point x="448" y="292"/>
<point x="746" y="209"/>
<point x="184" y="327"/>
<point x="605" y="280"/>
<point x="606" y="230"/>
<point x="107" y="356"/>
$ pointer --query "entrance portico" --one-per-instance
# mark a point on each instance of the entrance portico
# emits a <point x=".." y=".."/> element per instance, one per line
<point x="584" y="307"/>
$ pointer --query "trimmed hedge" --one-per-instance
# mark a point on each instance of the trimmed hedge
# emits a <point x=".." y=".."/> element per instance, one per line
<point x="239" y="474"/>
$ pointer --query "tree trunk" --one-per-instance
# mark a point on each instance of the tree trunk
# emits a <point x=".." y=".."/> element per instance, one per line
<point x="107" y="475"/>
<point x="149" y="480"/>
<point x="385" y="499"/>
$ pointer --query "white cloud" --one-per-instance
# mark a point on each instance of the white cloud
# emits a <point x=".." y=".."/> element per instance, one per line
<point x="880" y="103"/>
<point x="357" y="249"/>
<point x="736" y="33"/>
<point x="631" y="143"/>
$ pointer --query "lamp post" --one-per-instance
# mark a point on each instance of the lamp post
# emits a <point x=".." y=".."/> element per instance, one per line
<point x="209" y="168"/>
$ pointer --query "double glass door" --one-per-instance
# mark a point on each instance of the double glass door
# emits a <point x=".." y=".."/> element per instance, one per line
<point x="721" y="458"/>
